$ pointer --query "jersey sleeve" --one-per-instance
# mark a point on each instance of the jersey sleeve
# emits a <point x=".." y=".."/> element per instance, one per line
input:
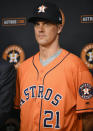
<point x="84" y="91"/>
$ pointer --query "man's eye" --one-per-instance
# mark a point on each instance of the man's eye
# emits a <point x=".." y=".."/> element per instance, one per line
<point x="36" y="24"/>
<point x="47" y="23"/>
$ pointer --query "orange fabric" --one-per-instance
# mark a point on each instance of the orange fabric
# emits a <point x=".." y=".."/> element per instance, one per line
<point x="49" y="95"/>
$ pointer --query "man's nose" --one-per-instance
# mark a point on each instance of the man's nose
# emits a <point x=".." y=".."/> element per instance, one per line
<point x="41" y="27"/>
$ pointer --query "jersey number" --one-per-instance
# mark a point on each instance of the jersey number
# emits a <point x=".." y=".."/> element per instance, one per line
<point x="51" y="118"/>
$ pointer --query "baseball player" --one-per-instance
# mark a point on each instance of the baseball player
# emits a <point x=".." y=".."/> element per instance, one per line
<point x="54" y="88"/>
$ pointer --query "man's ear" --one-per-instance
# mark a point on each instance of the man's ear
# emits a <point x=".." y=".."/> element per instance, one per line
<point x="59" y="28"/>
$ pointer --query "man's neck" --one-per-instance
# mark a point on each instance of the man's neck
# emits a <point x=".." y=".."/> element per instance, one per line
<point x="46" y="52"/>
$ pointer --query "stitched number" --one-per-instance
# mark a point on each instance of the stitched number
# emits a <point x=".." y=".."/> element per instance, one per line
<point x="47" y="119"/>
<point x="57" y="120"/>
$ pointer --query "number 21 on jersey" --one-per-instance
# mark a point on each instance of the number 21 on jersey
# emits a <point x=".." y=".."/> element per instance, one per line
<point x="50" y="118"/>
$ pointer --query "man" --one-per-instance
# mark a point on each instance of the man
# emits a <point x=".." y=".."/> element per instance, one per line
<point x="7" y="91"/>
<point x="54" y="87"/>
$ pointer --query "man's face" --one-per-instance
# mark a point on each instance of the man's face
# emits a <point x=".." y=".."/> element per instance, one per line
<point x="46" y="32"/>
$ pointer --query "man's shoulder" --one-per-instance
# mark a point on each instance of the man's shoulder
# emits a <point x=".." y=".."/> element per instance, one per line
<point x="73" y="61"/>
<point x="76" y="59"/>
<point x="71" y="56"/>
<point x="76" y="62"/>
<point x="28" y="61"/>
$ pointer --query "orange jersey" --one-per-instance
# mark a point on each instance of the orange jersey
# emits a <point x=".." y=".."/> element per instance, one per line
<point x="51" y="97"/>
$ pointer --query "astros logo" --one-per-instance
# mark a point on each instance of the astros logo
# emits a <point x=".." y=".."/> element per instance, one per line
<point x="87" y="55"/>
<point x="14" y="54"/>
<point x="86" y="91"/>
<point x="43" y="8"/>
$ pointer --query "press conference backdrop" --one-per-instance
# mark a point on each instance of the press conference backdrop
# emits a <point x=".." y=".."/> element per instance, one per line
<point x="17" y="41"/>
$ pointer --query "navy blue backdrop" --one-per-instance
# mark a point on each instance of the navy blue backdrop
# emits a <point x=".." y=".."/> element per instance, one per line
<point x="17" y="37"/>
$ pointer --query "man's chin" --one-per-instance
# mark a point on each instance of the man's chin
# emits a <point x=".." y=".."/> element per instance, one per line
<point x="42" y="43"/>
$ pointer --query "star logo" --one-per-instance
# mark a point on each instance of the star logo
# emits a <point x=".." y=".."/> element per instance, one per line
<point x="86" y="91"/>
<point x="41" y="9"/>
<point x="13" y="57"/>
<point x="14" y="54"/>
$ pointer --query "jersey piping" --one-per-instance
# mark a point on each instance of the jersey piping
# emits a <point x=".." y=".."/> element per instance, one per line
<point x="85" y="109"/>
